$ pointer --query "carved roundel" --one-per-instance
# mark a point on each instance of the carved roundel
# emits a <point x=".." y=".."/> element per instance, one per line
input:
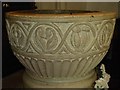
<point x="81" y="37"/>
<point x="45" y="38"/>
<point x="17" y="35"/>
<point x="105" y="35"/>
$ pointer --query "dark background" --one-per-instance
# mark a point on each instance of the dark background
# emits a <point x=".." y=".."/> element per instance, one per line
<point x="10" y="64"/>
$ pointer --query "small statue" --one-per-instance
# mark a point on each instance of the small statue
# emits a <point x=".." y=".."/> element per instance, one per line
<point x="102" y="82"/>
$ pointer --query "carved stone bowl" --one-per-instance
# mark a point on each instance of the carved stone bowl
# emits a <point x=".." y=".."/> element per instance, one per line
<point x="60" y="49"/>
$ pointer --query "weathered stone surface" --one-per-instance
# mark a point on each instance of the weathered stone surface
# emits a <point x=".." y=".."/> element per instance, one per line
<point x="60" y="48"/>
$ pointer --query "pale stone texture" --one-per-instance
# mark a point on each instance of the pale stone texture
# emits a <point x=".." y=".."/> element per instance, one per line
<point x="60" y="50"/>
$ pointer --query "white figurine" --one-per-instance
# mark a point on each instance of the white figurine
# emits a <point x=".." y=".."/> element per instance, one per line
<point x="102" y="83"/>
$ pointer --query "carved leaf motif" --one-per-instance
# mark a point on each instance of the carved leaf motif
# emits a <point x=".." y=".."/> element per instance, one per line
<point x="105" y="35"/>
<point x="80" y="37"/>
<point x="75" y="40"/>
<point x="85" y="34"/>
<point x="40" y="38"/>
<point x="52" y="38"/>
<point x="48" y="33"/>
<point x="47" y="38"/>
<point x="17" y="36"/>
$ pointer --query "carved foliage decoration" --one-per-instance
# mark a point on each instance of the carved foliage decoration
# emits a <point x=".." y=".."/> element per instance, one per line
<point x="17" y="35"/>
<point x="105" y="35"/>
<point x="45" y="38"/>
<point x="82" y="36"/>
<point x="38" y="46"/>
<point x="48" y="38"/>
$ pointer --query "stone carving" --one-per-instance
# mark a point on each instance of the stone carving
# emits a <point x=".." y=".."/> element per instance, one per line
<point x="58" y="52"/>
<point x="45" y="38"/>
